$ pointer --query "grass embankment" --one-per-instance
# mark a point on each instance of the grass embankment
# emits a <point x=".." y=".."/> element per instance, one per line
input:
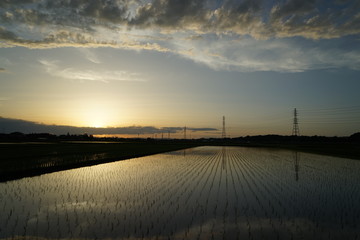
<point x="31" y="159"/>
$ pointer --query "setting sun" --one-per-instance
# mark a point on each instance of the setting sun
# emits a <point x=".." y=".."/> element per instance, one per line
<point x="98" y="124"/>
<point x="97" y="116"/>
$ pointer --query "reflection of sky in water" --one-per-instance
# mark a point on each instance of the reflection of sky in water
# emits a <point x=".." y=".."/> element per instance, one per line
<point x="200" y="193"/>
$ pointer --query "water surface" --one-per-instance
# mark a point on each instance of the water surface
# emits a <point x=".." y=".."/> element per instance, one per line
<point x="199" y="193"/>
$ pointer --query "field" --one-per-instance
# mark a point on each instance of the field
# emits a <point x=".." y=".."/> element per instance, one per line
<point x="197" y="193"/>
<point x="23" y="159"/>
<point x="30" y="159"/>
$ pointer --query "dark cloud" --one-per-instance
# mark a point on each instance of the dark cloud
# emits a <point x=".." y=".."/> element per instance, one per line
<point x="240" y="18"/>
<point x="12" y="39"/>
<point x="195" y="37"/>
<point x="7" y="35"/>
<point x="294" y="7"/>
<point x="7" y="3"/>
<point x="9" y="125"/>
<point x="257" y="18"/>
<point x="243" y="7"/>
<point x="315" y="19"/>
<point x="341" y="1"/>
<point x="162" y="25"/>
<point x="180" y="129"/>
<point x="203" y="129"/>
<point x="170" y="13"/>
<point x="2" y="69"/>
<point x="100" y="10"/>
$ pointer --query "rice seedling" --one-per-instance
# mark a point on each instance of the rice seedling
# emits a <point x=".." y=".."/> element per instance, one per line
<point x="208" y="193"/>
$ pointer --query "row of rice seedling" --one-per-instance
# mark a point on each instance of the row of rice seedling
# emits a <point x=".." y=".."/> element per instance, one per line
<point x="201" y="193"/>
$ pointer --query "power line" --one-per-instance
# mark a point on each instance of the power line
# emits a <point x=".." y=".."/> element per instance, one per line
<point x="356" y="107"/>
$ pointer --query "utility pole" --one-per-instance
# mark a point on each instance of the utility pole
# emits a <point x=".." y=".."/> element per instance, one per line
<point x="295" y="131"/>
<point x="185" y="132"/>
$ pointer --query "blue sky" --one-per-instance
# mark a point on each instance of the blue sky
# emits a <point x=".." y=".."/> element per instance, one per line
<point x="173" y="63"/>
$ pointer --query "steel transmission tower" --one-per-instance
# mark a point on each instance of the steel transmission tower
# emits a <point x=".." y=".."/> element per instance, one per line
<point x="295" y="131"/>
<point x="223" y="135"/>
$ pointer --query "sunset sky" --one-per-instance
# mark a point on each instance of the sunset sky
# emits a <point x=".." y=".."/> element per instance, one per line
<point x="175" y="63"/>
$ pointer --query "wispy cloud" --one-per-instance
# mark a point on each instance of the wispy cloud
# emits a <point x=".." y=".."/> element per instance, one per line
<point x="163" y="25"/>
<point x="281" y="55"/>
<point x="53" y="68"/>
<point x="90" y="55"/>
<point x="56" y="38"/>
<point x="3" y="100"/>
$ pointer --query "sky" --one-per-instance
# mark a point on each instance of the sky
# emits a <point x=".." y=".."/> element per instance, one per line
<point x="159" y="65"/>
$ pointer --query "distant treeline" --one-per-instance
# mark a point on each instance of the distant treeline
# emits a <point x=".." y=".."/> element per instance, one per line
<point x="258" y="139"/>
<point x="298" y="139"/>
<point x="348" y="147"/>
<point x="21" y="137"/>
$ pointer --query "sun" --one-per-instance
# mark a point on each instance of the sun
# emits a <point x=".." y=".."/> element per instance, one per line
<point x="97" y="117"/>
<point x="98" y="125"/>
<point x="97" y="114"/>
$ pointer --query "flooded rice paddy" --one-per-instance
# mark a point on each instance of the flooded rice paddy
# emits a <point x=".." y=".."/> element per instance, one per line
<point x="199" y="193"/>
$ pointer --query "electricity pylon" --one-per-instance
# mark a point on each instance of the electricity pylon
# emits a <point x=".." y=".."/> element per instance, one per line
<point x="295" y="131"/>
<point x="223" y="135"/>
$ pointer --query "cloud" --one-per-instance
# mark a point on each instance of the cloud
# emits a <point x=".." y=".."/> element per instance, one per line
<point x="2" y="100"/>
<point x="254" y="17"/>
<point x="281" y="55"/>
<point x="293" y="7"/>
<point x="203" y="129"/>
<point x="216" y="33"/>
<point x="16" y="125"/>
<point x="7" y="35"/>
<point x="180" y="129"/>
<point x="171" y="14"/>
<point x="67" y="38"/>
<point x="91" y="56"/>
<point x="54" y="69"/>
<point x="2" y="70"/>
